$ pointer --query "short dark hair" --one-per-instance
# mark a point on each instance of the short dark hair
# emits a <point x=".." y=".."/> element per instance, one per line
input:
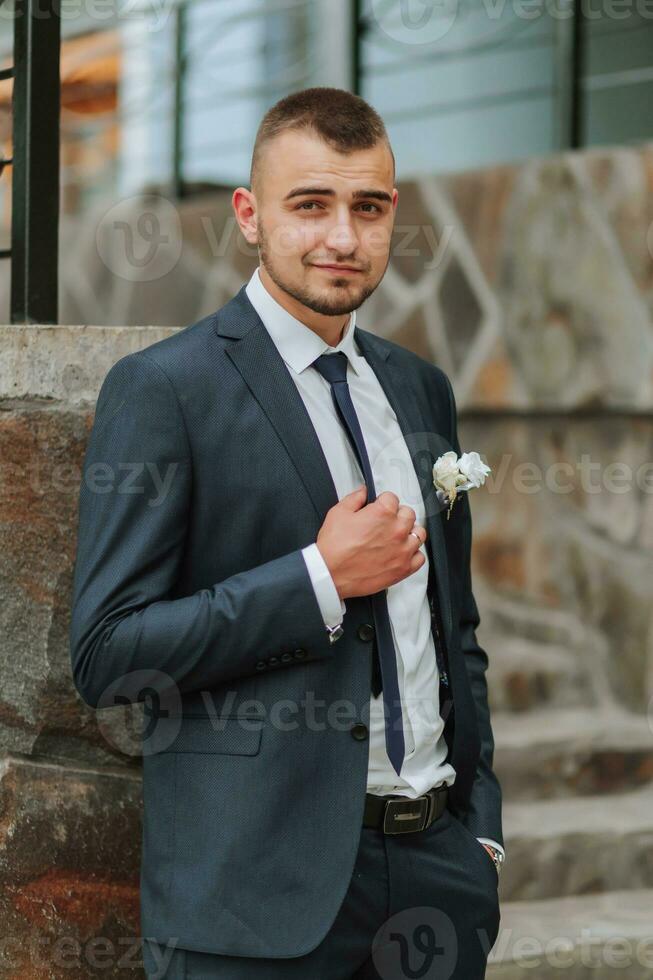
<point x="343" y="120"/>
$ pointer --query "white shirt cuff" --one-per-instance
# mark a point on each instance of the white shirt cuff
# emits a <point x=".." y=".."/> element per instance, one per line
<point x="331" y="605"/>
<point x="492" y="843"/>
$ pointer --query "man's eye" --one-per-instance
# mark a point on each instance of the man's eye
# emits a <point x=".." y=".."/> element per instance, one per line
<point x="309" y="205"/>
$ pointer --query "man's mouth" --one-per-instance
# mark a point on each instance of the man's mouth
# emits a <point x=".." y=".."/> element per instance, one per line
<point x="347" y="269"/>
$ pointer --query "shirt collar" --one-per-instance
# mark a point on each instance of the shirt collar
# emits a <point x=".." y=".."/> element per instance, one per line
<point x="298" y="345"/>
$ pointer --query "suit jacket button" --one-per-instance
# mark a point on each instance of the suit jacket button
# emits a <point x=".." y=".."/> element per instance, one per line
<point x="286" y="657"/>
<point x="365" y="631"/>
<point x="359" y="731"/>
<point x="260" y="665"/>
<point x="273" y="661"/>
<point x="299" y="653"/>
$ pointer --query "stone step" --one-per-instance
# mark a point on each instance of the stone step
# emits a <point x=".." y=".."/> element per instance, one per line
<point x="554" y="753"/>
<point x="577" y="846"/>
<point x="550" y="654"/>
<point x="524" y="674"/>
<point x="588" y="937"/>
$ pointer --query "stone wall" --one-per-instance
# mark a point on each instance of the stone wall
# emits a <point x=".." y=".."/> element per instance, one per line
<point x="532" y="286"/>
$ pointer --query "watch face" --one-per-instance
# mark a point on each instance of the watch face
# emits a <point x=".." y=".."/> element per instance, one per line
<point x="497" y="857"/>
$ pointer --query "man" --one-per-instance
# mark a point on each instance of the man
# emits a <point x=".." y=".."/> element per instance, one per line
<point x="275" y="582"/>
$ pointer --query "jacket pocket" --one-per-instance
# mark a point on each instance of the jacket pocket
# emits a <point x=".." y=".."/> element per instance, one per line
<point x="479" y="846"/>
<point x="232" y="735"/>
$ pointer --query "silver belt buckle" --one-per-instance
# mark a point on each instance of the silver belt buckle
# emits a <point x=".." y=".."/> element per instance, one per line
<point x="407" y="816"/>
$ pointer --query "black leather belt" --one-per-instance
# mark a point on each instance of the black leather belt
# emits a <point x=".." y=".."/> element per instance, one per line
<point x="401" y="815"/>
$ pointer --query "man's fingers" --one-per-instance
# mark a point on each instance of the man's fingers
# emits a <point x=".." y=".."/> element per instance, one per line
<point x="407" y="514"/>
<point x="389" y="500"/>
<point x="355" y="500"/>
<point x="418" y="532"/>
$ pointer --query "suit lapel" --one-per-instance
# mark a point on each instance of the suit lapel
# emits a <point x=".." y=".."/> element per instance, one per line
<point x="264" y="371"/>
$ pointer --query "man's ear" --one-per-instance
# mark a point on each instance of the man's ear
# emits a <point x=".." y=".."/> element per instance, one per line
<point x="244" y="206"/>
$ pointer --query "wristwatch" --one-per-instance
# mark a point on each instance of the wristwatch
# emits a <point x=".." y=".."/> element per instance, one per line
<point x="497" y="856"/>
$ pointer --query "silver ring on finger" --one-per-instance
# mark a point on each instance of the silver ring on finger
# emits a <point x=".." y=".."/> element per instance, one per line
<point x="416" y="535"/>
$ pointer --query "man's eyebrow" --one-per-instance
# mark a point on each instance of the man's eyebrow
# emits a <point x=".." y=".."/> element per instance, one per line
<point x="376" y="195"/>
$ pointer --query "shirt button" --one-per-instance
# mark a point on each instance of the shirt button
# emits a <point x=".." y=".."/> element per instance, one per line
<point x="359" y="731"/>
<point x="299" y="653"/>
<point x="365" y="632"/>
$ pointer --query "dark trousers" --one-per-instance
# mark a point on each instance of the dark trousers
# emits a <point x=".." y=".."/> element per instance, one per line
<point x="423" y="904"/>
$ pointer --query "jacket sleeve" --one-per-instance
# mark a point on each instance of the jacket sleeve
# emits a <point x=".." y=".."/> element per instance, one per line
<point x="126" y="634"/>
<point x="483" y="816"/>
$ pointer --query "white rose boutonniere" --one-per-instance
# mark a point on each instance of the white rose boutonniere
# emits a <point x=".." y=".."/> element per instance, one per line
<point x="452" y="473"/>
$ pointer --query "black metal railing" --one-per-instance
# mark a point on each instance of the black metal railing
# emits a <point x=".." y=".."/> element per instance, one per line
<point x="34" y="248"/>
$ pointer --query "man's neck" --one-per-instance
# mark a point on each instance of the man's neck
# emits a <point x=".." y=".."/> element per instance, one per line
<point x="329" y="328"/>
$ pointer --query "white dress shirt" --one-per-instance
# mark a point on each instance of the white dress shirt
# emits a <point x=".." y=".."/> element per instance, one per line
<point x="424" y="763"/>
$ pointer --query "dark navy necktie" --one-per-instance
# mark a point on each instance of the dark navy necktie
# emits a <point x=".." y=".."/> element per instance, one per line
<point x="333" y="367"/>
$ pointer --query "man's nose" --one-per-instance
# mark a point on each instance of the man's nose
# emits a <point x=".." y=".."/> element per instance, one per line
<point x="342" y="237"/>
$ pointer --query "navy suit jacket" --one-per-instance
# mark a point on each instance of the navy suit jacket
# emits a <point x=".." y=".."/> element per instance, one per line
<point x="202" y="481"/>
